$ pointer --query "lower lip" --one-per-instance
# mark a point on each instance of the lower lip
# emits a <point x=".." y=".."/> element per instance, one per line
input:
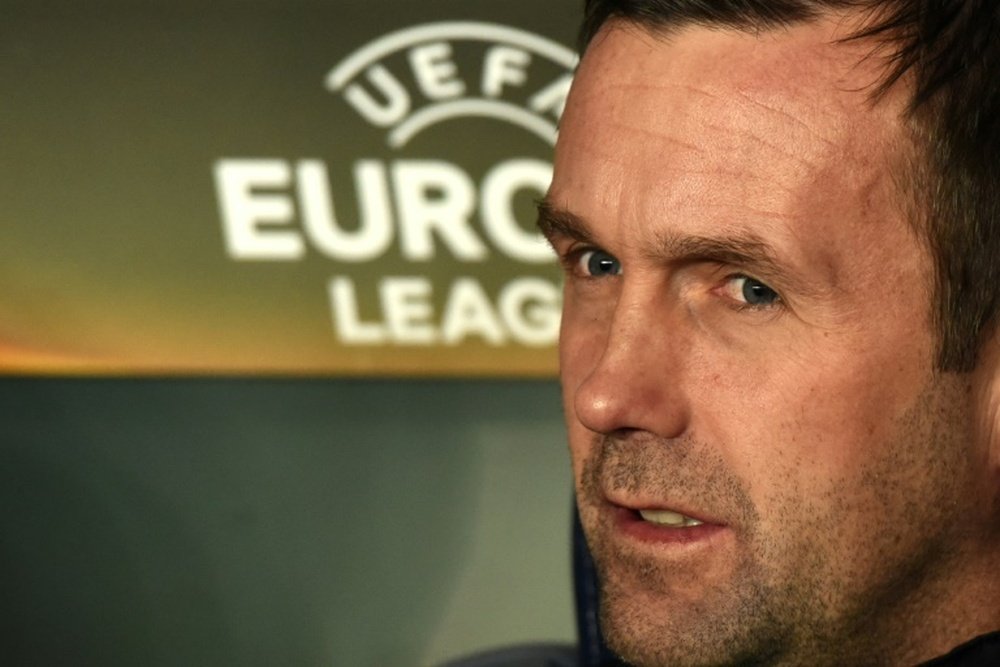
<point x="631" y="524"/>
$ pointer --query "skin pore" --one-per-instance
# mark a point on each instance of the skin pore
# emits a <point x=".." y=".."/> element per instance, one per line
<point x="747" y="344"/>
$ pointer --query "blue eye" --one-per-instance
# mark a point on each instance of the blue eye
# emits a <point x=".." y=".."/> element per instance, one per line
<point x="754" y="292"/>
<point x="598" y="264"/>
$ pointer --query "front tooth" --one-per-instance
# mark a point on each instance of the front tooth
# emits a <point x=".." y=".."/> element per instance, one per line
<point x="668" y="518"/>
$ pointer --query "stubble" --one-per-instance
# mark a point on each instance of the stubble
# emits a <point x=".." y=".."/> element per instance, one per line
<point x="822" y="589"/>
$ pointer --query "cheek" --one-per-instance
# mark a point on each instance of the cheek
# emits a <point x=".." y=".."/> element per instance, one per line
<point x="807" y="423"/>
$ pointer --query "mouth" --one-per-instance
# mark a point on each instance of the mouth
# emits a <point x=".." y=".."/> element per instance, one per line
<point x="663" y="526"/>
<point x="669" y="519"/>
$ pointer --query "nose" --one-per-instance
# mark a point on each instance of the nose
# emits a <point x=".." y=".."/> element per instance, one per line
<point x="637" y="378"/>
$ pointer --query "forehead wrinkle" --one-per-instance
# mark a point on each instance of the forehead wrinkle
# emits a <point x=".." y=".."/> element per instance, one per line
<point x="751" y="97"/>
<point x="666" y="85"/>
<point x="756" y="213"/>
<point x="682" y="164"/>
<point x="788" y="116"/>
<point x="636" y="128"/>
<point x="773" y="146"/>
<point x="725" y="136"/>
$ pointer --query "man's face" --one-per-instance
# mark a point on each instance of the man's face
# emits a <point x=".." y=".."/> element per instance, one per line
<point x="767" y="466"/>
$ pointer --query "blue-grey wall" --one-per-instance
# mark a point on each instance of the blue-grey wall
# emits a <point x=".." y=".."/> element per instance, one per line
<point x="266" y="522"/>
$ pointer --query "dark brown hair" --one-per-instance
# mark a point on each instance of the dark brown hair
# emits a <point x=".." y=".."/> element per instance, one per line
<point x="949" y="51"/>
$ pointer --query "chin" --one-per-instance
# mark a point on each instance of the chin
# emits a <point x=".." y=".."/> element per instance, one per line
<point x="648" y="629"/>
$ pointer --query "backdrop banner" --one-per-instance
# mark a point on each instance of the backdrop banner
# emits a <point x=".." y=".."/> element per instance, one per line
<point x="279" y="188"/>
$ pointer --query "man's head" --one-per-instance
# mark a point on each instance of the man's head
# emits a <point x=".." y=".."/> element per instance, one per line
<point x="782" y="401"/>
<point x="947" y="54"/>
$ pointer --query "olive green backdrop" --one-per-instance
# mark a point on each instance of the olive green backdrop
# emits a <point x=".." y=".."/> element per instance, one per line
<point x="191" y="513"/>
<point x="117" y="235"/>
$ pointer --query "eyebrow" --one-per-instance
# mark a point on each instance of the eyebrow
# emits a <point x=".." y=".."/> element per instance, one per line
<point x="743" y="249"/>
<point x="739" y="249"/>
<point x="554" y="222"/>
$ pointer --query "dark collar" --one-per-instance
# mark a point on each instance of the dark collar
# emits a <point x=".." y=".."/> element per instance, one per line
<point x="983" y="650"/>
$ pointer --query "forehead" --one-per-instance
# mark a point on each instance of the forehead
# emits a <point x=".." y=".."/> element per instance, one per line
<point x="724" y="127"/>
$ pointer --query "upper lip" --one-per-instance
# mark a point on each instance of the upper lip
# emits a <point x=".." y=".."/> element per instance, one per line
<point x="679" y="506"/>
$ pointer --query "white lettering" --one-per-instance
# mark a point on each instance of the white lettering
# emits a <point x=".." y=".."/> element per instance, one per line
<point x="434" y="196"/>
<point x="375" y="231"/>
<point x="435" y="71"/>
<point x="435" y="204"/>
<point x="530" y="309"/>
<point x="470" y="313"/>
<point x="552" y="98"/>
<point x="392" y="110"/>
<point x="527" y="313"/>
<point x="504" y="65"/>
<point x="407" y="308"/>
<point x="497" y="209"/>
<point x="247" y="216"/>
<point x="346" y="320"/>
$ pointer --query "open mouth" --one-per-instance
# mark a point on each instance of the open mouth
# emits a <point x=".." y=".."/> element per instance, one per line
<point x="668" y="519"/>
<point x="665" y="526"/>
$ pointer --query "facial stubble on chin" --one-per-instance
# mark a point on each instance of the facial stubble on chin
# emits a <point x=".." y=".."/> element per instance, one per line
<point x="726" y="621"/>
<point x="760" y="613"/>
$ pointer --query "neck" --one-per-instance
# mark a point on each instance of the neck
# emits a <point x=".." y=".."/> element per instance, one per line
<point x="958" y="601"/>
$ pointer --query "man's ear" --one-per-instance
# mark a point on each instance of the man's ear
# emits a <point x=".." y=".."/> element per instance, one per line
<point x="987" y="395"/>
